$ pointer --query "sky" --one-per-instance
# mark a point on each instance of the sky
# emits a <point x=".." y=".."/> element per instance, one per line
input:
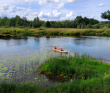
<point x="54" y="10"/>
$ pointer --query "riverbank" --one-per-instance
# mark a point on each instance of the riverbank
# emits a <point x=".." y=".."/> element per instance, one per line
<point x="85" y="74"/>
<point x="12" y="32"/>
<point x="76" y="67"/>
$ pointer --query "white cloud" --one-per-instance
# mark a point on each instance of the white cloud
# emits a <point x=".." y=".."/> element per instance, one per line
<point x="101" y="5"/>
<point x="27" y="2"/>
<point x="50" y="15"/>
<point x="11" y="2"/>
<point x="60" y="6"/>
<point x="71" y="0"/>
<point x="51" y="1"/>
<point x="42" y="14"/>
<point x="41" y="2"/>
<point x="68" y="16"/>
<point x="56" y="13"/>
<point x="11" y="11"/>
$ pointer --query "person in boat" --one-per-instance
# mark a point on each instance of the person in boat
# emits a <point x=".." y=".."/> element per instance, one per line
<point x="61" y="49"/>
<point x="55" y="47"/>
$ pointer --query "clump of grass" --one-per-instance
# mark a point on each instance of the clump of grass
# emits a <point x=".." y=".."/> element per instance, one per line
<point x="42" y="28"/>
<point x="88" y="75"/>
<point x="74" y="67"/>
<point x="27" y="33"/>
<point x="91" y="85"/>
<point x="19" y="88"/>
<point x="89" y="33"/>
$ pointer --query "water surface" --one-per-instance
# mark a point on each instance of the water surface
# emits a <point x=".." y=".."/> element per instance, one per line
<point x="20" y="58"/>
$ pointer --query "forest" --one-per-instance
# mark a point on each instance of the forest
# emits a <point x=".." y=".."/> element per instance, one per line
<point x="78" y="22"/>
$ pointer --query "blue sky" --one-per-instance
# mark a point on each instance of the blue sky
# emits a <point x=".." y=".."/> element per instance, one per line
<point x="54" y="9"/>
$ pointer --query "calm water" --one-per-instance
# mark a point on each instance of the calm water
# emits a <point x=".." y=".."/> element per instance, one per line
<point x="20" y="58"/>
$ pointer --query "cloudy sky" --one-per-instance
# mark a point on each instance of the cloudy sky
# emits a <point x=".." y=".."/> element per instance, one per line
<point x="54" y="9"/>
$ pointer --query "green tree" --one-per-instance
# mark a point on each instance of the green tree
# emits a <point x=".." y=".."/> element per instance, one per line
<point x="106" y="15"/>
<point x="79" y="19"/>
<point x="47" y="24"/>
<point x="18" y="21"/>
<point x="25" y="22"/>
<point x="36" y="22"/>
<point x="12" y="22"/>
<point x="6" y="21"/>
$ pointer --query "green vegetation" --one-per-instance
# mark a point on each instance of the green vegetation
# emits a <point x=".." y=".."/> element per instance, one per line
<point x="19" y="88"/>
<point x="13" y="32"/>
<point x="78" y="22"/>
<point x="16" y="26"/>
<point x="74" y="67"/>
<point x="16" y="21"/>
<point x="106" y="15"/>
<point x="86" y="75"/>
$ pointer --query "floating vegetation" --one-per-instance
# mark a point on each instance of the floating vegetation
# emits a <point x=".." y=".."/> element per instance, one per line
<point x="78" y="67"/>
<point x="15" y="68"/>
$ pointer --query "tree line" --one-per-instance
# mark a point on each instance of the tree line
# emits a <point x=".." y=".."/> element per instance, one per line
<point x="20" y="22"/>
<point x="78" y="22"/>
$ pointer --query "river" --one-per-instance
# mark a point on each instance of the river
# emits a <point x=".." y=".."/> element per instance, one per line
<point x="20" y="58"/>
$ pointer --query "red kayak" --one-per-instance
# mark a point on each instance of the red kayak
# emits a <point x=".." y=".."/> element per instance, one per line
<point x="64" y="51"/>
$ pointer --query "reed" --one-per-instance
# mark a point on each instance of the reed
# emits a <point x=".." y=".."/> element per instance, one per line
<point x="87" y="74"/>
<point x="55" y="31"/>
<point x="19" y="88"/>
<point x="74" y="67"/>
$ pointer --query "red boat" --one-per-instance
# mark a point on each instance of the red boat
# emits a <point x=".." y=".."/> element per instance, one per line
<point x="59" y="50"/>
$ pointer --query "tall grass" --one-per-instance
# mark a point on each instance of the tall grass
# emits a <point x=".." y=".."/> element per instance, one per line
<point x="19" y="88"/>
<point x="55" y="31"/>
<point x="74" y="67"/>
<point x="87" y="75"/>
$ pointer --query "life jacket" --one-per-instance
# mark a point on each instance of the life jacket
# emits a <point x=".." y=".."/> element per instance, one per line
<point x="55" y="47"/>
<point x="61" y="49"/>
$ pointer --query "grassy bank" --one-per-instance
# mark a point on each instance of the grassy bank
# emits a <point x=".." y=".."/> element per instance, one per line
<point x="85" y="74"/>
<point x="11" y="32"/>
<point x="74" y="67"/>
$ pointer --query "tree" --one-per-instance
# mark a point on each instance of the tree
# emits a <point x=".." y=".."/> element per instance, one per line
<point x="12" y="22"/>
<point x="6" y="21"/>
<point x="36" y="22"/>
<point x="79" y="19"/>
<point x="18" y="21"/>
<point x="25" y="22"/>
<point x="86" y="20"/>
<point x="106" y="15"/>
<point x="47" y="24"/>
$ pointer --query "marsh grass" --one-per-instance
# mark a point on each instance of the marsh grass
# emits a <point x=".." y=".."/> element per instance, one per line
<point x="19" y="88"/>
<point x="86" y="73"/>
<point x="55" y="31"/>
<point x="75" y="67"/>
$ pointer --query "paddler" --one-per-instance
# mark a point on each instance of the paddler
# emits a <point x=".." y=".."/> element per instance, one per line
<point x="55" y="47"/>
<point x="61" y="49"/>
